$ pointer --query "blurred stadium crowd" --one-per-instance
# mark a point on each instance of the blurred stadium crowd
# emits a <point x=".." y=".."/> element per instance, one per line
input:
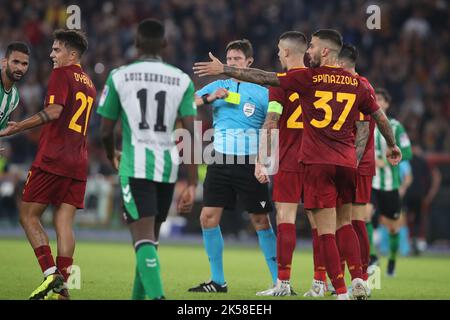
<point x="409" y="55"/>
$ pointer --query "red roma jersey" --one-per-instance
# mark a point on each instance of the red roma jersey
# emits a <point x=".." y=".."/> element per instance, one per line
<point x="62" y="145"/>
<point x="331" y="99"/>
<point x="290" y="127"/>
<point x="367" y="164"/>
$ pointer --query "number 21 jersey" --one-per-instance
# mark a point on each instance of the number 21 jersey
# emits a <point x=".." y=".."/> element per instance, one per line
<point x="63" y="144"/>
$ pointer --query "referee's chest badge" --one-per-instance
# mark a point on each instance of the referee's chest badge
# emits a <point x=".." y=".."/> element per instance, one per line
<point x="249" y="109"/>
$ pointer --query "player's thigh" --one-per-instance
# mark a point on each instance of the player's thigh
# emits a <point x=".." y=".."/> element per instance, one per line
<point x="253" y="195"/>
<point x="164" y="196"/>
<point x="345" y="184"/>
<point x="286" y="212"/>
<point x="343" y="215"/>
<point x="363" y="189"/>
<point x="325" y="219"/>
<point x="359" y="212"/>
<point x="319" y="187"/>
<point x="389" y="204"/>
<point x="74" y="194"/>
<point x="218" y="187"/>
<point x="139" y="198"/>
<point x="44" y="187"/>
<point x="311" y="220"/>
<point x="287" y="187"/>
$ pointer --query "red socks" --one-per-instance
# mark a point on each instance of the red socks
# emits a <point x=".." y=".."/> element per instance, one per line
<point x="320" y="272"/>
<point x="45" y="259"/>
<point x="330" y="252"/>
<point x="286" y="241"/>
<point x="364" y="244"/>
<point x="63" y="264"/>
<point x="348" y="244"/>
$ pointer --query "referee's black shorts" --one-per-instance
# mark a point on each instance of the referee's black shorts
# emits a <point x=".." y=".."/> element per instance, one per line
<point x="226" y="183"/>
<point x="387" y="203"/>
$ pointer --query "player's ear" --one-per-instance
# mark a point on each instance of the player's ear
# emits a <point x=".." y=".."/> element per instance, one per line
<point x="250" y="61"/>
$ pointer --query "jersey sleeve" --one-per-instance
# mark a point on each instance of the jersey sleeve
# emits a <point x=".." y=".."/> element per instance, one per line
<point x="294" y="81"/>
<point x="58" y="88"/>
<point x="403" y="142"/>
<point x="187" y="105"/>
<point x="368" y="104"/>
<point x="109" y="104"/>
<point x="208" y="89"/>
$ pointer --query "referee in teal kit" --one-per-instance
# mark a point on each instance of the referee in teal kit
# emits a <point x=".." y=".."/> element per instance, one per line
<point x="239" y="111"/>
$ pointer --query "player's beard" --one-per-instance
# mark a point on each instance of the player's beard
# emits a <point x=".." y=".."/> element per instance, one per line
<point x="13" y="76"/>
<point x="314" y="62"/>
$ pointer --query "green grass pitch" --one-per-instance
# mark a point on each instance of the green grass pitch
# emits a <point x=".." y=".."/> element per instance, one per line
<point x="107" y="271"/>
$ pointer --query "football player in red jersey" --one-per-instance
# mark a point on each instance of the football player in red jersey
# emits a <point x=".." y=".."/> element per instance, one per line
<point x="59" y="172"/>
<point x="332" y="99"/>
<point x="366" y="166"/>
<point x="284" y="113"/>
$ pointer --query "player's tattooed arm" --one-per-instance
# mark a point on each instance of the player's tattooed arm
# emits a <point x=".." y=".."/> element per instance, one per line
<point x="362" y="135"/>
<point x="252" y="75"/>
<point x="215" y="67"/>
<point x="384" y="126"/>
<point x="50" y="113"/>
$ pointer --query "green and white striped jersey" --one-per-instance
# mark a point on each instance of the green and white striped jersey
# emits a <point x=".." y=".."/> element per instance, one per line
<point x="148" y="96"/>
<point x="387" y="178"/>
<point x="8" y="103"/>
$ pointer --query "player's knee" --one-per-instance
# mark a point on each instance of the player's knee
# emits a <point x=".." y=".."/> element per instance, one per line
<point x="260" y="221"/>
<point x="208" y="219"/>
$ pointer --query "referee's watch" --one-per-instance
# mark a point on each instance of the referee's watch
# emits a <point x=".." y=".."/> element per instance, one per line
<point x="205" y="99"/>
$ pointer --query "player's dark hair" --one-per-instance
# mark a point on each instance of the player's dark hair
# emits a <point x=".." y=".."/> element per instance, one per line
<point x="297" y="37"/>
<point x="331" y="35"/>
<point x="294" y="35"/>
<point x="74" y="39"/>
<point x="150" y="36"/>
<point x="383" y="92"/>
<point x="17" y="46"/>
<point x="349" y="52"/>
<point x="243" y="45"/>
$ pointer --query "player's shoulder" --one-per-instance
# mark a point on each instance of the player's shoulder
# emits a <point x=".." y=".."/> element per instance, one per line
<point x="295" y="72"/>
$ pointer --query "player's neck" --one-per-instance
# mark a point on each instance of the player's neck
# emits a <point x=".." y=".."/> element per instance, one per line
<point x="295" y="64"/>
<point x="330" y="62"/>
<point x="5" y="81"/>
<point x="150" y="57"/>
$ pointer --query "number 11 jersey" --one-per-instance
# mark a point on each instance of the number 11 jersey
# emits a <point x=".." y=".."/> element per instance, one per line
<point x="148" y="96"/>
<point x="63" y="144"/>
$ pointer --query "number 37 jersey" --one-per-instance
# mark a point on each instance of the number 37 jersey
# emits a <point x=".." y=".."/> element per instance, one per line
<point x="331" y="100"/>
<point x="62" y="145"/>
<point x="148" y="96"/>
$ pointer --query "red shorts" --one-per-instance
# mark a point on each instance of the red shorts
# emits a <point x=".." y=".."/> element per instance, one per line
<point x="363" y="189"/>
<point x="48" y="188"/>
<point x="287" y="187"/>
<point x="328" y="186"/>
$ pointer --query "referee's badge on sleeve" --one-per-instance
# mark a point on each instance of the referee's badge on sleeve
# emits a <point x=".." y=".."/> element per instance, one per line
<point x="249" y="109"/>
